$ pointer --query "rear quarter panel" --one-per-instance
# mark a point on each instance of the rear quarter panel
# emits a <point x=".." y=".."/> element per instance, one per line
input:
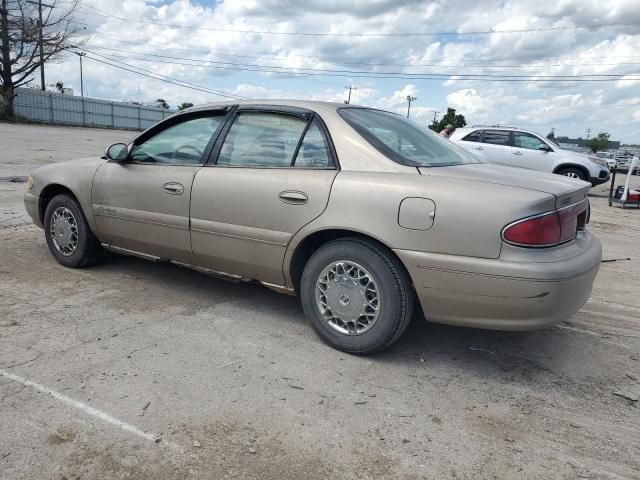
<point x="469" y="216"/>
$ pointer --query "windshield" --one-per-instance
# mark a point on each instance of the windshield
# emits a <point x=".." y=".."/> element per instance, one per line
<point x="404" y="141"/>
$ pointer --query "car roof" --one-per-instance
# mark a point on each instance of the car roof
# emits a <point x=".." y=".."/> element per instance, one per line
<point x="498" y="127"/>
<point x="307" y="104"/>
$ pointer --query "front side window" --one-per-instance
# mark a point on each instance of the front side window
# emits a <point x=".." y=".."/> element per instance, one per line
<point x="496" y="137"/>
<point x="526" y="140"/>
<point x="181" y="144"/>
<point x="314" y="149"/>
<point x="404" y="141"/>
<point x="258" y="139"/>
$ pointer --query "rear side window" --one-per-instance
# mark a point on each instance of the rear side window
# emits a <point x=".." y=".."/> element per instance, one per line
<point x="258" y="139"/>
<point x="474" y="136"/>
<point x="496" y="137"/>
<point x="314" y="149"/>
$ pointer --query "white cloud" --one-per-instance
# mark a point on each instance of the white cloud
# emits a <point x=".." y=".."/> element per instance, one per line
<point x="569" y="106"/>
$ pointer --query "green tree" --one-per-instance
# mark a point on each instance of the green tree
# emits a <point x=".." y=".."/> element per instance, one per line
<point x="162" y="103"/>
<point x="551" y="136"/>
<point x="184" y="105"/>
<point x="449" y="118"/>
<point x="601" y="142"/>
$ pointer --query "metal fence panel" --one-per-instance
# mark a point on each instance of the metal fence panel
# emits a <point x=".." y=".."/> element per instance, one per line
<point x="52" y="107"/>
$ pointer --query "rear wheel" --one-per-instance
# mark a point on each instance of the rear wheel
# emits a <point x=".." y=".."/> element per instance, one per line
<point x="573" y="173"/>
<point x="357" y="295"/>
<point x="68" y="235"/>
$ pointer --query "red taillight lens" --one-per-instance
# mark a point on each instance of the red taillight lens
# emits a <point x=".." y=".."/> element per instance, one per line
<point x="535" y="232"/>
<point x="547" y="229"/>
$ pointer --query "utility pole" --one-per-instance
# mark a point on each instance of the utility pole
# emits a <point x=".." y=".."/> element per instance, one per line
<point x="350" y="87"/>
<point x="588" y="130"/>
<point x="84" y="119"/>
<point x="435" y="113"/>
<point x="409" y="100"/>
<point x="81" y="54"/>
<point x="40" y="42"/>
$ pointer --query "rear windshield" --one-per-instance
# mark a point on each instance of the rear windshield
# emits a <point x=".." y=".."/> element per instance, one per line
<point x="404" y="141"/>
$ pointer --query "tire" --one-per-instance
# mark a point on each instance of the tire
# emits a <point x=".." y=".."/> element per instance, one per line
<point x="387" y="285"/>
<point x="73" y="229"/>
<point x="573" y="173"/>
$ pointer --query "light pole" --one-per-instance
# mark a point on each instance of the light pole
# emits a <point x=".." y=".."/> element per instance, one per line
<point x="80" y="55"/>
<point x="409" y="100"/>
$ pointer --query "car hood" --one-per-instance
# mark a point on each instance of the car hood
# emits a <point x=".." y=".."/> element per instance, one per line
<point x="566" y="190"/>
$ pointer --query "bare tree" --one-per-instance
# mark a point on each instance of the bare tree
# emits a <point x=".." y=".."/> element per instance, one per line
<point x="31" y="34"/>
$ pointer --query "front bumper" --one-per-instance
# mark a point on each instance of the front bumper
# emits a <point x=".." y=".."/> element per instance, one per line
<point x="603" y="176"/>
<point x="31" y="206"/>
<point x="505" y="294"/>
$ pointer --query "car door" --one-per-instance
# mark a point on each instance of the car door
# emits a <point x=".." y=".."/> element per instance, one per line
<point x="526" y="152"/>
<point x="142" y="203"/>
<point x="495" y="146"/>
<point x="472" y="142"/>
<point x="269" y="176"/>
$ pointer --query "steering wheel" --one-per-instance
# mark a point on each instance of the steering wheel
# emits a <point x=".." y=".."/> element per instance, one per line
<point x="185" y="147"/>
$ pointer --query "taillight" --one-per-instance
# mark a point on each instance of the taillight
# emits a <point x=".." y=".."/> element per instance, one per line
<point x="548" y="229"/>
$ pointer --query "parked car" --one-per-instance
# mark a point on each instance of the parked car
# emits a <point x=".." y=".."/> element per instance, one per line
<point x="358" y="211"/>
<point x="526" y="149"/>
<point x="607" y="157"/>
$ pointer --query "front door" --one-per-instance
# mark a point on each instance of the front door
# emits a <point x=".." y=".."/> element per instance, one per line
<point x="526" y="153"/>
<point x="142" y="203"/>
<point x="272" y="176"/>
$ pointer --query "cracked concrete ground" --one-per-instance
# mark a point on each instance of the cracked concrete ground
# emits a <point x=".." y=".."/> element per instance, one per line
<point x="229" y="381"/>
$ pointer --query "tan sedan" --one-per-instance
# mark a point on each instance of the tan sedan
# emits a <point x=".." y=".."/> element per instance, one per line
<point x="358" y="211"/>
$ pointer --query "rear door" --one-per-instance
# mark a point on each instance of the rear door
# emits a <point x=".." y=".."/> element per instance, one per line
<point x="526" y="153"/>
<point x="495" y="146"/>
<point x="471" y="142"/>
<point x="270" y="174"/>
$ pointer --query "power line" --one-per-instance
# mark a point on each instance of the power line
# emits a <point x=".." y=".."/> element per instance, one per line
<point x="397" y="75"/>
<point x="100" y="13"/>
<point x="361" y="63"/>
<point x="164" y="78"/>
<point x="255" y="53"/>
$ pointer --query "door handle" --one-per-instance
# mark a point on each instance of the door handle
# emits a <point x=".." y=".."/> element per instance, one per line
<point x="293" y="197"/>
<point x="478" y="148"/>
<point x="517" y="152"/>
<point x="173" y="188"/>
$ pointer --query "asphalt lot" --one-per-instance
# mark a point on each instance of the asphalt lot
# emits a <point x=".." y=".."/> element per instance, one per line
<point x="138" y="370"/>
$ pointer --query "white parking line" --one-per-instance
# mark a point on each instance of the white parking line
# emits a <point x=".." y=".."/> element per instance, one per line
<point x="84" y="407"/>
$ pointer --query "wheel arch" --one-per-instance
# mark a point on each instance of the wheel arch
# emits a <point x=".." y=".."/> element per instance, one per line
<point x="305" y="247"/>
<point x="577" y="166"/>
<point x="48" y="193"/>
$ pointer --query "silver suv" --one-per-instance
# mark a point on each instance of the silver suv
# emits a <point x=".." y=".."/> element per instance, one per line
<point x="526" y="149"/>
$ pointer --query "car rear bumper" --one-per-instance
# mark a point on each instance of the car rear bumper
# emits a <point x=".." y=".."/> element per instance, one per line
<point x="31" y="206"/>
<point x="504" y="294"/>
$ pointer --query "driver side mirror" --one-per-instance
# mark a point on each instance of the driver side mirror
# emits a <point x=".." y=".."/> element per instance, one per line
<point x="118" y="152"/>
<point x="544" y="147"/>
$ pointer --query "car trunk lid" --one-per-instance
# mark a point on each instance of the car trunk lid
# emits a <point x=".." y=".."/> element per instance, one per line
<point x="566" y="190"/>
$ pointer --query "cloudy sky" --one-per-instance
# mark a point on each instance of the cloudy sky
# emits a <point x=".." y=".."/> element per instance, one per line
<point x="524" y="63"/>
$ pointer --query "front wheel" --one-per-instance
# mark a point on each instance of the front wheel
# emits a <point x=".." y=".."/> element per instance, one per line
<point x="357" y="295"/>
<point x="573" y="173"/>
<point x="68" y="235"/>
